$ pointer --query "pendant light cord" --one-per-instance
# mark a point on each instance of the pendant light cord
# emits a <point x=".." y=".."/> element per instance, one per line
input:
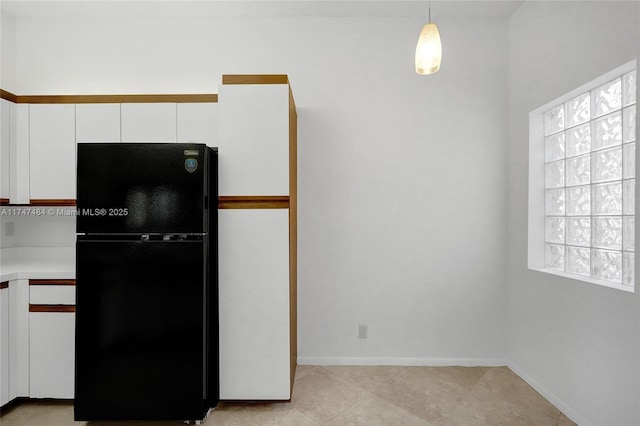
<point x="429" y="11"/>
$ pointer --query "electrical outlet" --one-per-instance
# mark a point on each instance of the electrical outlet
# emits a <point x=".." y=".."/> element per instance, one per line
<point x="362" y="331"/>
<point x="9" y="229"/>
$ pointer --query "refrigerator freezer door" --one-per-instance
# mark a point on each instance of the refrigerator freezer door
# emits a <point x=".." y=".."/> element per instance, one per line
<point x="138" y="188"/>
<point x="140" y="335"/>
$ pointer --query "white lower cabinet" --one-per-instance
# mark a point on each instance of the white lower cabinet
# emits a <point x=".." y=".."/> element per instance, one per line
<point x="14" y="340"/>
<point x="51" y="338"/>
<point x="255" y="345"/>
<point x="51" y="354"/>
<point x="4" y="343"/>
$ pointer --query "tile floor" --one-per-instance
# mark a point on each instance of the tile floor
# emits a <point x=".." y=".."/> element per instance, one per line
<point x="384" y="396"/>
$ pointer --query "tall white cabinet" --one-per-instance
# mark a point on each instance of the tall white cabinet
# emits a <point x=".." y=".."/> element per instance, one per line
<point x="257" y="238"/>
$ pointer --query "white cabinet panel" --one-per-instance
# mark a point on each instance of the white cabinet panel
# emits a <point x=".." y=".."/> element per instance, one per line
<point x="4" y="346"/>
<point x="198" y="123"/>
<point x="18" y="338"/>
<point x="148" y="122"/>
<point x="52" y="147"/>
<point x="254" y="304"/>
<point x="98" y="123"/>
<point x="254" y="139"/>
<point x="7" y="112"/>
<point x="51" y="354"/>
<point x="19" y="149"/>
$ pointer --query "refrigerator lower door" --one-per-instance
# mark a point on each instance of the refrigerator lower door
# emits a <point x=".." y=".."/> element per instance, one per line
<point x="140" y="330"/>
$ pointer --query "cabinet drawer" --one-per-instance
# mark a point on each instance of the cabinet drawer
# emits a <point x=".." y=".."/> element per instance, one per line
<point x="49" y="292"/>
<point x="52" y="295"/>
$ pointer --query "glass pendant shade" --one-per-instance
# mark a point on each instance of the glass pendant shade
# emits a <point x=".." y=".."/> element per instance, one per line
<point x="428" y="50"/>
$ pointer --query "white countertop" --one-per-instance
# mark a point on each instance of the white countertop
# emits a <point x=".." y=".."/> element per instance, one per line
<point x="37" y="263"/>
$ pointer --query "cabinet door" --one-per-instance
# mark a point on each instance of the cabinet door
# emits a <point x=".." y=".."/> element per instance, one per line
<point x="52" y="146"/>
<point x="18" y="339"/>
<point x="148" y="122"/>
<point x="5" y="137"/>
<point x="4" y="343"/>
<point x="98" y="123"/>
<point x="198" y="123"/>
<point x="51" y="354"/>
<point x="254" y="139"/>
<point x="254" y="304"/>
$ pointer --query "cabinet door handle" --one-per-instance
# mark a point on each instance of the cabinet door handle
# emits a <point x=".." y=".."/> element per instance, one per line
<point x="52" y="308"/>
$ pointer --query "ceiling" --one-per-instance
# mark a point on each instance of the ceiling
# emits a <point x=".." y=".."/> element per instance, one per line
<point x="186" y="8"/>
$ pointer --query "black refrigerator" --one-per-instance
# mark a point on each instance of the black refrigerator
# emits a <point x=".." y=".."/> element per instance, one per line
<point x="146" y="281"/>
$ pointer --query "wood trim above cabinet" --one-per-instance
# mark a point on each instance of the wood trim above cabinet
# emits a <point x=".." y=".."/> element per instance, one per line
<point x="4" y="201"/>
<point x="253" y="202"/>
<point x="116" y="99"/>
<point x="4" y="284"/>
<point x="52" y="282"/>
<point x="52" y="308"/>
<point x="8" y="96"/>
<point x="107" y="99"/>
<point x="255" y="79"/>
<point x="52" y="202"/>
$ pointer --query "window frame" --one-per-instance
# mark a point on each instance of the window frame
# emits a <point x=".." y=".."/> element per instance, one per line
<point x="536" y="190"/>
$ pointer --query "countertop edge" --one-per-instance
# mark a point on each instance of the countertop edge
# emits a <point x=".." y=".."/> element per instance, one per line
<point x="22" y="275"/>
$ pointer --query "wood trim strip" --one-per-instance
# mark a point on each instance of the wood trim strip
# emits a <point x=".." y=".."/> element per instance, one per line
<point x="255" y="79"/>
<point x="4" y="284"/>
<point x="253" y="202"/>
<point x="51" y="202"/>
<point x="115" y="99"/>
<point x="52" y="282"/>
<point x="4" y="201"/>
<point x="52" y="308"/>
<point x="8" y="96"/>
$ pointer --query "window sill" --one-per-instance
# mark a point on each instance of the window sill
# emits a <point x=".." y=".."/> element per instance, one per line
<point x="617" y="286"/>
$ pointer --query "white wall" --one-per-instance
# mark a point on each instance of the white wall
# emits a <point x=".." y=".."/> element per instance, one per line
<point x="401" y="177"/>
<point x="7" y="51"/>
<point x="7" y="82"/>
<point x="578" y="343"/>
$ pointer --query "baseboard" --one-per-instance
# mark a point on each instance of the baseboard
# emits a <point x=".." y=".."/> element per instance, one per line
<point x="550" y="396"/>
<point x="415" y="362"/>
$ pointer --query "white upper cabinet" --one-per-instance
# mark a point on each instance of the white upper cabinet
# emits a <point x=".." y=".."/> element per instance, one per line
<point x="254" y="139"/>
<point x="52" y="148"/>
<point x="5" y="151"/>
<point x="98" y="123"/>
<point x="149" y="122"/>
<point x="198" y="123"/>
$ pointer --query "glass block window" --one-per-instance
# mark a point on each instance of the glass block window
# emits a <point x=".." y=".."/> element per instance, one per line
<point x="589" y="143"/>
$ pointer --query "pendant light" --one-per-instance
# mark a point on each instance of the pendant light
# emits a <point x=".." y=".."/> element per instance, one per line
<point x="429" y="48"/>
